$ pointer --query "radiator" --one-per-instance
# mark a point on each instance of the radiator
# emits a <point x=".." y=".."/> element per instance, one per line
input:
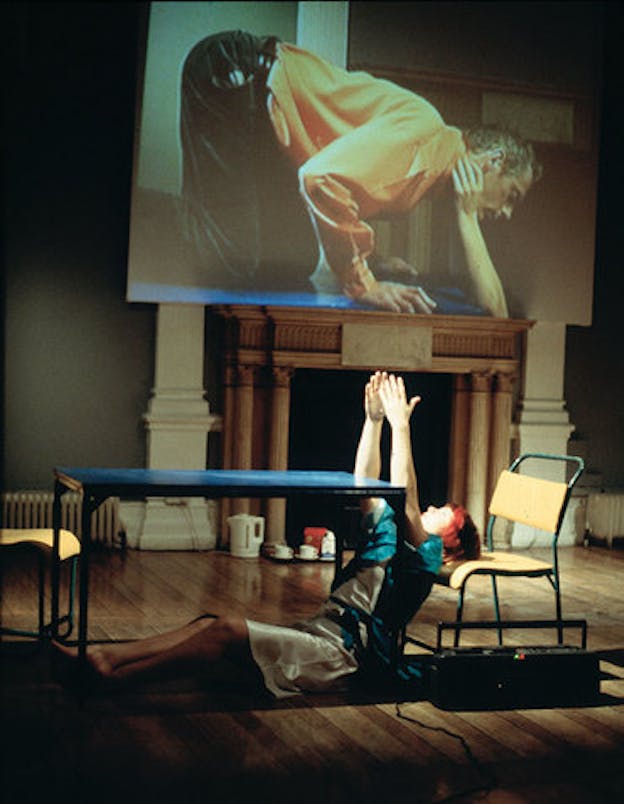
<point x="33" y="509"/>
<point x="605" y="516"/>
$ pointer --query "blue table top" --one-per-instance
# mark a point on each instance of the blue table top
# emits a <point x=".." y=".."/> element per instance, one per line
<point x="101" y="482"/>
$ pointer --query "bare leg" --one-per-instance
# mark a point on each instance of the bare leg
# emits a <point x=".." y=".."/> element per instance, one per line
<point x="197" y="645"/>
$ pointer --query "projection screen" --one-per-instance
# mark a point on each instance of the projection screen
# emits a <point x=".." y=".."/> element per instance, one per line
<point x="451" y="168"/>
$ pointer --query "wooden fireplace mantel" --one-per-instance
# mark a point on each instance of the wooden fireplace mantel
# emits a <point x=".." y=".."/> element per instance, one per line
<point x="309" y="338"/>
<point x="264" y="346"/>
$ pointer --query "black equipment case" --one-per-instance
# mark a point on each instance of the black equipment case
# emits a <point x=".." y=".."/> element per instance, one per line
<point x="512" y="677"/>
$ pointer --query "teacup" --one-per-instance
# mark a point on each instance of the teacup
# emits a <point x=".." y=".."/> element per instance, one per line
<point x="308" y="552"/>
<point x="282" y="551"/>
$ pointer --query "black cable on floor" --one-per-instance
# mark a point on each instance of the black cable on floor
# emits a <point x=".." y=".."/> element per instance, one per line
<point x="489" y="781"/>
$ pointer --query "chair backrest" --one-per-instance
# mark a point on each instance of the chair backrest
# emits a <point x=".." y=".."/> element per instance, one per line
<point x="529" y="500"/>
<point x="532" y="500"/>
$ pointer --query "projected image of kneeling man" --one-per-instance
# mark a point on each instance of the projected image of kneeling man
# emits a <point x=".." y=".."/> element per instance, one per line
<point x="281" y="148"/>
<point x="351" y="635"/>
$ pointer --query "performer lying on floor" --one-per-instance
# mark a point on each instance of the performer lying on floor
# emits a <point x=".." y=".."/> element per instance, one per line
<point x="354" y="628"/>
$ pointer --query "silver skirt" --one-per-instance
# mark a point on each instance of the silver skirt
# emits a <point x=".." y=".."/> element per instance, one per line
<point x="305" y="657"/>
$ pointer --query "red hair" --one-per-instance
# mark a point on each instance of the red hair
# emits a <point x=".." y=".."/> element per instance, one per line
<point x="461" y="538"/>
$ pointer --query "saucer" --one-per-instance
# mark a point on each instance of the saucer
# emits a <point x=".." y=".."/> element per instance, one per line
<point x="274" y="557"/>
<point x="302" y="558"/>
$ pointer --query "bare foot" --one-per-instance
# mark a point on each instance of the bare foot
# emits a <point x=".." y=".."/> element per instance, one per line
<point x="96" y="656"/>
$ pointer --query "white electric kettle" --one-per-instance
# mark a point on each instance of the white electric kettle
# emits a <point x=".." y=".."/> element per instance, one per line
<point x="246" y="535"/>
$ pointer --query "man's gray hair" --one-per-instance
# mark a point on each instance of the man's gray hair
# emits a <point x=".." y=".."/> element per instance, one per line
<point x="519" y="155"/>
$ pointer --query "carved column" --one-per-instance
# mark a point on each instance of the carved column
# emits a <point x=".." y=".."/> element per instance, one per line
<point x="278" y="449"/>
<point x="243" y="428"/>
<point x="229" y="408"/>
<point x="478" y="447"/>
<point x="460" y="425"/>
<point x="501" y="427"/>
<point x="500" y="445"/>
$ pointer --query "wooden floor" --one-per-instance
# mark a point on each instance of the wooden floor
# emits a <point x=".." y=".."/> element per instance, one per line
<point x="194" y="741"/>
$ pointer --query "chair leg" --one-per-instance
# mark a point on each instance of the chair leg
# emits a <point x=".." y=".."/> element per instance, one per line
<point x="555" y="583"/>
<point x="69" y="617"/>
<point x="497" y="608"/>
<point x="72" y="594"/>
<point x="458" y="618"/>
<point x="41" y="573"/>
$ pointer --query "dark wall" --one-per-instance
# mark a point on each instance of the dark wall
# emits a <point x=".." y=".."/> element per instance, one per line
<point x="594" y="378"/>
<point x="78" y="360"/>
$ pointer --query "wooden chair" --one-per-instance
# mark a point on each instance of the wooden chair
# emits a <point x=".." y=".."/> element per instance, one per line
<point x="525" y="499"/>
<point x="41" y="541"/>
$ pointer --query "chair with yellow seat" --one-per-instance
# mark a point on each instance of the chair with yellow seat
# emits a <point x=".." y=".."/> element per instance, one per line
<point x="529" y="500"/>
<point x="41" y="542"/>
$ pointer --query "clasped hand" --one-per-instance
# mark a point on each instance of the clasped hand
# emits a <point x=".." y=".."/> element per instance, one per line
<point x="468" y="185"/>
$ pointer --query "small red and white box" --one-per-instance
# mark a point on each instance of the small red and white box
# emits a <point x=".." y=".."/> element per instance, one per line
<point x="323" y="540"/>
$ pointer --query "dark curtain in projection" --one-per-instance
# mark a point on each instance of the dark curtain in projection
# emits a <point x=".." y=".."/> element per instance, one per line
<point x="426" y="178"/>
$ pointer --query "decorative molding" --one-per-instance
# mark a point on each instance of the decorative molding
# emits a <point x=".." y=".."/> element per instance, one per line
<point x="463" y="343"/>
<point x="481" y="382"/>
<point x="505" y="382"/>
<point x="308" y="338"/>
<point x="210" y="424"/>
<point x="245" y="375"/>
<point x="313" y="338"/>
<point x="282" y="375"/>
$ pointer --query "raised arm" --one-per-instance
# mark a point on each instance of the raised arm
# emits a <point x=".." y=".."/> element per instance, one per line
<point x="468" y="184"/>
<point x="368" y="455"/>
<point x="398" y="411"/>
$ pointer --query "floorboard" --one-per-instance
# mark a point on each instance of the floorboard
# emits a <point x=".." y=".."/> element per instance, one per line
<point x="195" y="740"/>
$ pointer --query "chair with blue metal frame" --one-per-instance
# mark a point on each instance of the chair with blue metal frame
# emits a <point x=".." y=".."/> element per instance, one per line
<point x="41" y="542"/>
<point x="529" y="500"/>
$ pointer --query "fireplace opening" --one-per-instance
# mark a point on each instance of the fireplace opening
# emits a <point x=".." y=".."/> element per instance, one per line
<point x="326" y="417"/>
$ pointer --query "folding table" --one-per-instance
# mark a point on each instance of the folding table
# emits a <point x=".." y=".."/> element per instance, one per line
<point x="97" y="484"/>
